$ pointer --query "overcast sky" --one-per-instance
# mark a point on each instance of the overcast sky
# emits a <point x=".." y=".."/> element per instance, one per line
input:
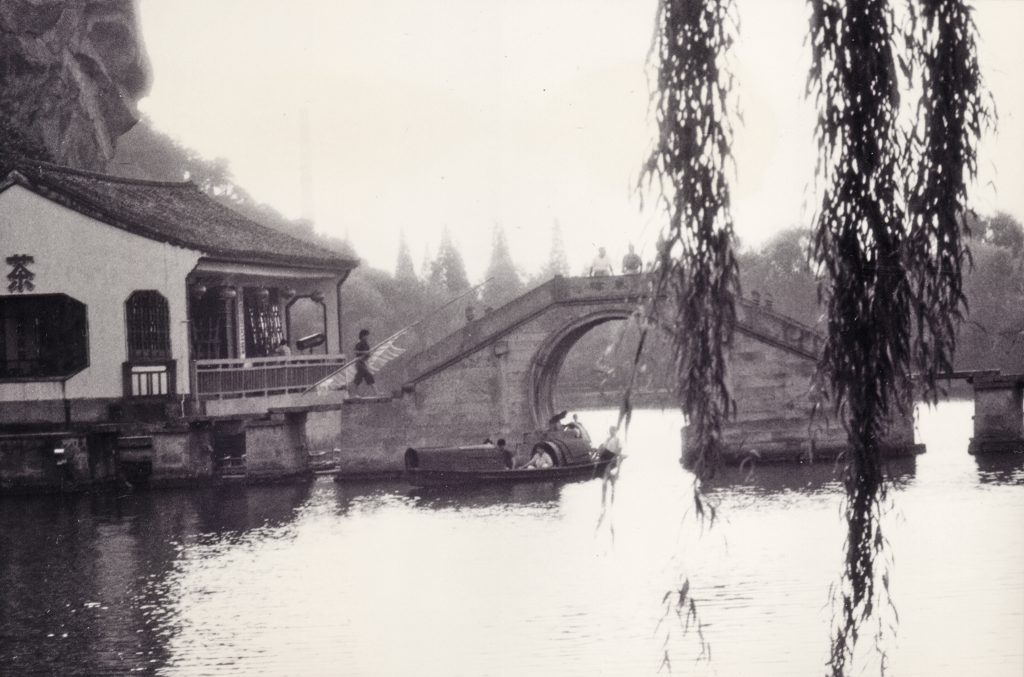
<point x="467" y="113"/>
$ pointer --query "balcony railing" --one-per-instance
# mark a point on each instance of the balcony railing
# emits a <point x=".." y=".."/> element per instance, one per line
<point x="260" y="376"/>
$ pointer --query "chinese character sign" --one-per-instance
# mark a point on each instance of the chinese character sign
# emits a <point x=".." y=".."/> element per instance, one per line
<point x="20" y="276"/>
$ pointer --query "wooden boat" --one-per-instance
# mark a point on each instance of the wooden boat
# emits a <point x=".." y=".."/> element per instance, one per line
<point x="569" y="448"/>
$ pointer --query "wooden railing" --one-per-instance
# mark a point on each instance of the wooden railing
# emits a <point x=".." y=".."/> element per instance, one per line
<point x="260" y="376"/>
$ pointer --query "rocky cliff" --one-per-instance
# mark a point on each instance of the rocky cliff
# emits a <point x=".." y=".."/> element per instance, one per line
<point x="70" y="75"/>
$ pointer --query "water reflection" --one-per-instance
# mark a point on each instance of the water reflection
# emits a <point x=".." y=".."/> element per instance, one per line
<point x="766" y="480"/>
<point x="1005" y="469"/>
<point x="487" y="496"/>
<point x="85" y="578"/>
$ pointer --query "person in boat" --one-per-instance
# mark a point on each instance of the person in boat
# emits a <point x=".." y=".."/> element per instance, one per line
<point x="363" y="373"/>
<point x="505" y="453"/>
<point x="611" y="447"/>
<point x="540" y="460"/>
<point x="576" y="428"/>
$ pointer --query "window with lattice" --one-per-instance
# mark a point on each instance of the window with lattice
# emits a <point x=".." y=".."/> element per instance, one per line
<point x="42" y="336"/>
<point x="148" y="325"/>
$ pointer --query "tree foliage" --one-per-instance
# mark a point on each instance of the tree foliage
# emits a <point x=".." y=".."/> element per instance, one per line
<point x="780" y="270"/>
<point x="992" y="335"/>
<point x="15" y="142"/>
<point x="892" y="249"/>
<point x="940" y="156"/>
<point x="447" y="270"/>
<point x="696" y="264"/>
<point x="999" y="230"/>
<point x="558" y="261"/>
<point x="860" y="239"/>
<point x="887" y="237"/>
<point x="503" y="281"/>
<point x="404" y="269"/>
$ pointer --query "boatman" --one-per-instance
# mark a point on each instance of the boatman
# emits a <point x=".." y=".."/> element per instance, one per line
<point x="611" y="447"/>
<point x="363" y="373"/>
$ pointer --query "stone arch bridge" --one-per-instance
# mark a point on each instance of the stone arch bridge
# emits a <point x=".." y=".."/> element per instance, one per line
<point x="497" y="374"/>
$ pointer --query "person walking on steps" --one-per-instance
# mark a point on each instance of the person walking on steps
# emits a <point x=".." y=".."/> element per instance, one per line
<point x="363" y="373"/>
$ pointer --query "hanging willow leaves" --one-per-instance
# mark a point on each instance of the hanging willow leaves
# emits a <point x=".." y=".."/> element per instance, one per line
<point x="859" y="239"/>
<point x="696" y="264"/>
<point x="892" y="257"/>
<point x="942" y="152"/>
<point x="888" y="232"/>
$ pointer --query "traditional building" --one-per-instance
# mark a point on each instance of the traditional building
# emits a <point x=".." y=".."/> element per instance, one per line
<point x="141" y="331"/>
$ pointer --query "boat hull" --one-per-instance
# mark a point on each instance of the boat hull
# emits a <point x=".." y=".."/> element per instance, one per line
<point x="566" y="473"/>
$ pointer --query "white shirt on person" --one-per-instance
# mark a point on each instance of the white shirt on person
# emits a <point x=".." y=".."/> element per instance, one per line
<point x="602" y="265"/>
<point x="612" y="444"/>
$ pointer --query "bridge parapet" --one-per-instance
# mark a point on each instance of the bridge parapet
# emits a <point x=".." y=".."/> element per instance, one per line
<point x="616" y="288"/>
<point x="752" y="319"/>
<point x="491" y="327"/>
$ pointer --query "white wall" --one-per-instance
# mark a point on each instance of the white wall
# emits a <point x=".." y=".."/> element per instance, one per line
<point x="99" y="265"/>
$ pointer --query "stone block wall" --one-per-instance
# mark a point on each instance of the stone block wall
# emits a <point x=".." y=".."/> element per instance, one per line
<point x="276" y="448"/>
<point x="375" y="435"/>
<point x="30" y="464"/>
<point x="179" y="455"/>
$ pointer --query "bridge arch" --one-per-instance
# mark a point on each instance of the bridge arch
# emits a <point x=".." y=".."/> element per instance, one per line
<point x="499" y="371"/>
<point x="550" y="356"/>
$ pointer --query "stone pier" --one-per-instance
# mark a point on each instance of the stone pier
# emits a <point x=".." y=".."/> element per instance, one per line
<point x="998" y="413"/>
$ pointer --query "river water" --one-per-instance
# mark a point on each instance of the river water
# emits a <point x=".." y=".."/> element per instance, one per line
<point x="377" y="579"/>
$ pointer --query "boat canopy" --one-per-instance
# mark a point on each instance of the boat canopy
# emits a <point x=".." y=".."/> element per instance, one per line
<point x="472" y="457"/>
<point x="566" y="447"/>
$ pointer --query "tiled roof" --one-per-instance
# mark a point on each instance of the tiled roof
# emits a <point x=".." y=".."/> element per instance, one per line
<point x="174" y="212"/>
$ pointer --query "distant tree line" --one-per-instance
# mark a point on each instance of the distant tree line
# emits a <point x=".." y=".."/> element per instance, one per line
<point x="992" y="335"/>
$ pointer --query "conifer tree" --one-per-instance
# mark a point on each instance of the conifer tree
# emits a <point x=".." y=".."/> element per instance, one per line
<point x="404" y="270"/>
<point x="558" y="262"/>
<point x="448" y="270"/>
<point x="503" y="282"/>
<point x="427" y="265"/>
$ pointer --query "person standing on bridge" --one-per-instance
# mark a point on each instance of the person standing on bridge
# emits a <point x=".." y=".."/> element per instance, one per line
<point x="363" y="373"/>
<point x="631" y="263"/>
<point x="602" y="265"/>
